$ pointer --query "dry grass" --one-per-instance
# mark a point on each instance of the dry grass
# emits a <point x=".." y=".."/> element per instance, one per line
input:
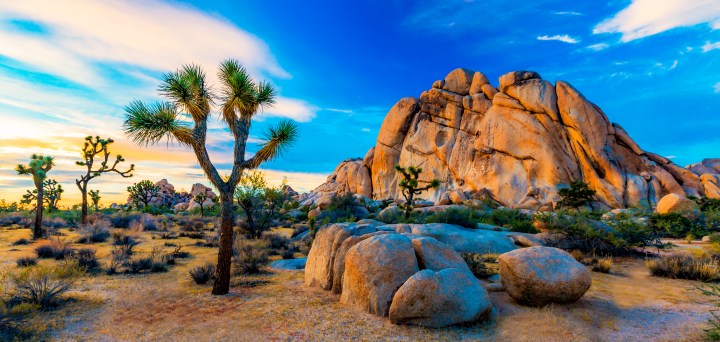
<point x="626" y="305"/>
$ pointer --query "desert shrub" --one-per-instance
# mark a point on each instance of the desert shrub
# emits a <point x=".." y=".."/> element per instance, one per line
<point x="275" y="241"/>
<point x="19" y="242"/>
<point x="26" y="262"/>
<point x="678" y="226"/>
<point x="511" y="219"/>
<point x="54" y="223"/>
<point x="603" y="265"/>
<point x="57" y="249"/>
<point x="43" y="284"/>
<point x="477" y="264"/>
<point x="21" y="219"/>
<point x="95" y="231"/>
<point x="86" y="258"/>
<point x="250" y="259"/>
<point x="713" y="332"/>
<point x="466" y="217"/>
<point x="123" y="219"/>
<point x="684" y="266"/>
<point x="191" y="224"/>
<point x="193" y="235"/>
<point x="177" y="253"/>
<point x="578" y="231"/>
<point x="287" y="253"/>
<point x="202" y="274"/>
<point x="138" y="264"/>
<point x="576" y="195"/>
<point x="124" y="242"/>
<point x="299" y="229"/>
<point x="145" y="222"/>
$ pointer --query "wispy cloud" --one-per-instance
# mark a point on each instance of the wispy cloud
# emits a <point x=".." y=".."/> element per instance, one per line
<point x="561" y="38"/>
<point x="710" y="46"/>
<point x="568" y="13"/>
<point x="644" y="18"/>
<point x="598" y="46"/>
<point x="716" y="87"/>
<point x="140" y="39"/>
<point x="337" y="110"/>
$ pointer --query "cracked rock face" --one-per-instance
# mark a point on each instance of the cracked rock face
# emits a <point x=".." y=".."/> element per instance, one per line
<point x="520" y="144"/>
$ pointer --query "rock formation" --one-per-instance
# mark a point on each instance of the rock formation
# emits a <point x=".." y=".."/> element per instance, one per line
<point x="180" y="201"/>
<point x="517" y="143"/>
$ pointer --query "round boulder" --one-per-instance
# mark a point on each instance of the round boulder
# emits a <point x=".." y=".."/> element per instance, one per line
<point x="374" y="269"/>
<point x="438" y="299"/>
<point x="674" y="203"/>
<point x="538" y="276"/>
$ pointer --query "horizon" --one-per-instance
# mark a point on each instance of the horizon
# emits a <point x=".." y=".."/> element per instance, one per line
<point x="66" y="73"/>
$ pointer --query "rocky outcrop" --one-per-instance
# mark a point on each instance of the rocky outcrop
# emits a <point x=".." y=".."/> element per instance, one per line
<point x="350" y="177"/>
<point x="198" y="188"/>
<point x="518" y="144"/>
<point x="538" y="276"/>
<point x="385" y="272"/>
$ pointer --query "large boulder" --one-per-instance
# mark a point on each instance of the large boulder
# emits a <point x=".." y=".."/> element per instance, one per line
<point x="520" y="143"/>
<point x="674" y="203"/>
<point x="339" y="261"/>
<point x="438" y="299"/>
<point x="435" y="255"/>
<point x="462" y="240"/>
<point x="374" y="269"/>
<point x="321" y="258"/>
<point x="538" y="276"/>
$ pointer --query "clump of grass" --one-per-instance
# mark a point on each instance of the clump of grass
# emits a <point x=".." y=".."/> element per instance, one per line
<point x="202" y="274"/>
<point x="603" y="265"/>
<point x="478" y="264"/>
<point x="713" y="332"/>
<point x="684" y="266"/>
<point x="26" y="262"/>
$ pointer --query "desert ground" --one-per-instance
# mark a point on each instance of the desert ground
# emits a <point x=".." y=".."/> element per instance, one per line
<point x="625" y="305"/>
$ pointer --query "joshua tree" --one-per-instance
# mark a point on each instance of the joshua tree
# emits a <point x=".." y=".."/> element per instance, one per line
<point x="240" y="99"/>
<point x="92" y="148"/>
<point x="95" y="198"/>
<point x="52" y="193"/>
<point x="577" y="195"/>
<point x="200" y="198"/>
<point x="409" y="186"/>
<point x="38" y="168"/>
<point x="143" y="192"/>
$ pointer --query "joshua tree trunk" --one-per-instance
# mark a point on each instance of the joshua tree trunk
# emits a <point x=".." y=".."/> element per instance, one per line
<point x="38" y="231"/>
<point x="222" y="280"/>
<point x="83" y="194"/>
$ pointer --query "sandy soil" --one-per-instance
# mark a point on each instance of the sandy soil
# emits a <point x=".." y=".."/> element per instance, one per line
<point x="626" y="305"/>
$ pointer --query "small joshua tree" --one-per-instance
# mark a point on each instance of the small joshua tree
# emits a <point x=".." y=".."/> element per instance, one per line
<point x="239" y="99"/>
<point x="143" y="192"/>
<point x="52" y="194"/>
<point x="95" y="198"/>
<point x="577" y="195"/>
<point x="97" y="147"/>
<point x="38" y="168"/>
<point x="410" y="186"/>
<point x="200" y="200"/>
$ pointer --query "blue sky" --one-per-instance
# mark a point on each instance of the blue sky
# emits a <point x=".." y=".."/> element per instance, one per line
<point x="67" y="69"/>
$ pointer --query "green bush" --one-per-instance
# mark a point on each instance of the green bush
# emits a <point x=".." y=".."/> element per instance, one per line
<point x="576" y="195"/>
<point x="678" y="226"/>
<point x="578" y="231"/>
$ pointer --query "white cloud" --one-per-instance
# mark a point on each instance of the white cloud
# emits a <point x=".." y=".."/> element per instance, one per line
<point x="598" y="46"/>
<point x="644" y="18"/>
<point x="674" y="65"/>
<point x="365" y="129"/>
<point x="716" y="87"/>
<point x="562" y="38"/>
<point x="86" y="38"/>
<point x="710" y="46"/>
<point x="295" y="109"/>
<point x="337" y="110"/>
<point x="568" y="13"/>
